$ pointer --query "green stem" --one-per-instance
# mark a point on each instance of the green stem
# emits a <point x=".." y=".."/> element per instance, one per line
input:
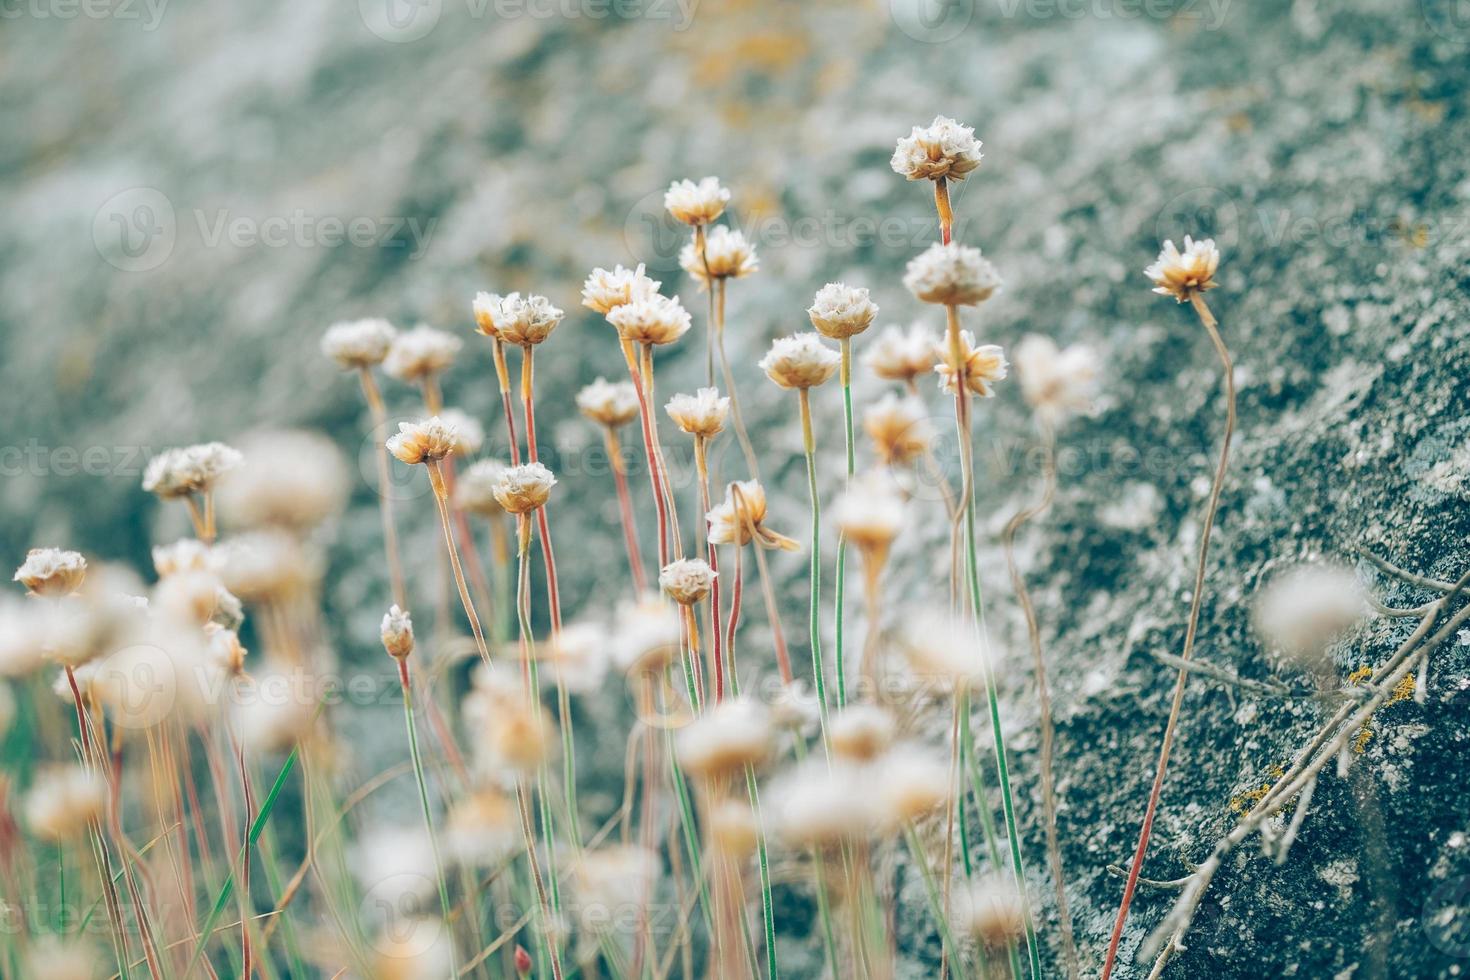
<point x="846" y="378"/>
<point x="815" y="565"/>
<point x="931" y="890"/>
<point x="768" y="908"/>
<point x="418" y="772"/>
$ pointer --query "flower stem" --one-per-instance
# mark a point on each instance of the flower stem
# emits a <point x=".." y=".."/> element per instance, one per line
<point x="815" y="566"/>
<point x="423" y="786"/>
<point x="752" y="461"/>
<point x="768" y="907"/>
<point x="441" y="497"/>
<point x="379" y="414"/>
<point x="625" y="510"/>
<point x="846" y="380"/>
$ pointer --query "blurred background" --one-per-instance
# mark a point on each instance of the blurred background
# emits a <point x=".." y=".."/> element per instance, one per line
<point x="192" y="192"/>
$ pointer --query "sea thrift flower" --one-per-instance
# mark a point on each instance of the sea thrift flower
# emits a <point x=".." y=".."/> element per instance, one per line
<point x="612" y="881"/>
<point x="523" y="488"/>
<point x="946" y="649"/>
<point x="723" y="741"/>
<point x="59" y="959"/>
<point x="191" y="469"/>
<point x="292" y="479"/>
<point x="610" y="403"/>
<point x="474" y="491"/>
<point x="578" y="655"/>
<point x="52" y="571"/>
<point x="870" y="514"/>
<point x="421" y="352"/>
<point x="910" y="784"/>
<point x="899" y="428"/>
<point x="990" y="909"/>
<point x="655" y="319"/>
<point x="416" y="948"/>
<point x="268" y="566"/>
<point x="521" y="320"/>
<point x="64" y="801"/>
<point x="421" y="442"/>
<point x="732" y="828"/>
<point x="696" y="204"/>
<point x="701" y="414"/>
<point x="952" y="275"/>
<point x="285" y="717"/>
<point x="648" y="635"/>
<point x="22" y="636"/>
<point x="840" y="311"/>
<point x="516" y="738"/>
<point x="728" y="254"/>
<point x="982" y="366"/>
<point x="1306" y="609"/>
<point x="357" y="344"/>
<point x="687" y="580"/>
<point x="469" y="434"/>
<point x="800" y="361"/>
<point x="605" y="291"/>
<point x="184" y="555"/>
<point x="901" y="355"/>
<point x="1183" y="274"/>
<point x="821" y="805"/>
<point x="224" y="648"/>
<point x="485" y="307"/>
<point x="397" y="633"/>
<point x="482" y="830"/>
<point x="943" y="149"/>
<point x="860" y="732"/>
<point x="1055" y="382"/>
<point x="731" y="522"/>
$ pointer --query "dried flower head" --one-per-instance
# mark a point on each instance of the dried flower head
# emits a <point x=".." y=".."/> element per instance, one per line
<point x="696" y="204"/>
<point x="870" y="514"/>
<point x="60" y="959"/>
<point x="356" y="344"/>
<point x="952" y="275"/>
<point x="800" y="361"/>
<point x="64" y="802"/>
<point x="610" y="403"/>
<point x="990" y="909"/>
<point x="224" y="648"/>
<point x="1055" y="382"/>
<point x="23" y="636"/>
<point x="899" y="428"/>
<point x="474" y="491"/>
<point x="1306" y="609"/>
<point x="911" y="784"/>
<point x="469" y="434"/>
<point x="184" y="555"/>
<point x="1183" y="274"/>
<point x="397" y="632"/>
<point x="605" y="291"/>
<point x="282" y="711"/>
<point x="197" y="598"/>
<point x="733" y="829"/>
<point x="687" y="580"/>
<point x="860" y="732"/>
<point x="290" y="478"/>
<point x="614" y="882"/>
<point x="822" y="806"/>
<point x="517" y="738"/>
<point x="727" y="738"/>
<point x="422" y="442"/>
<point x="52" y="571"/>
<point x="741" y="519"/>
<point x="648" y="635"/>
<point x="482" y="829"/>
<point x="421" y="353"/>
<point x="268" y="566"/>
<point x="655" y="319"/>
<point x="516" y="319"/>
<point x="578" y="656"/>
<point x="943" y="149"/>
<point x="901" y="355"/>
<point x="190" y="469"/>
<point x="413" y="948"/>
<point x="521" y="489"/>
<point x="947" y="650"/>
<point x="840" y="311"/>
<point x="728" y="254"/>
<point x="701" y="414"/>
<point x="982" y="366"/>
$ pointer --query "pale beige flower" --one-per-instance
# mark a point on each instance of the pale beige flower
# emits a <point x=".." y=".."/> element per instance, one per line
<point x="52" y="571"/>
<point x="413" y="948"/>
<point x="280" y="711"/>
<point x="648" y="635"/>
<point x="356" y="344"/>
<point x="943" y="149"/>
<point x="64" y="801"/>
<point x="727" y="252"/>
<point x="687" y="580"/>
<point x="696" y="204"/>
<point x="1055" y="383"/>
<point x="610" y="403"/>
<point x="290" y="478"/>
<point x="486" y="307"/>
<point x="397" y="632"/>
<point x="901" y="355"/>
<point x="521" y="320"/>
<point x="474" y="491"/>
<point x="840" y="311"/>
<point x="800" y="361"/>
<point x="56" y="958"/>
<point x="727" y="738"/>
<point x="613" y="884"/>
<point x="469" y="434"/>
<point x="701" y="414"/>
<point x="22" y="636"/>
<point x="860" y="732"/>
<point x="605" y="291"/>
<point x="184" y="555"/>
<point x="224" y="648"/>
<point x="578" y="655"/>
<point x="1183" y="274"/>
<point x="482" y="829"/>
<point x="946" y="649"/>
<point x="733" y="829"/>
<point x="899" y="427"/>
<point x="744" y="509"/>
<point x="1306" y="609"/>
<point x="951" y="275"/>
<point x="870" y="513"/>
<point x="522" y="489"/>
<point x="420" y="442"/>
<point x="823" y="805"/>
<point x="991" y="910"/>
<point x="189" y="469"/>
<point x="982" y="366"/>
<point x="655" y="319"/>
<point x="911" y="784"/>
<point x="268" y="566"/>
<point x="421" y="353"/>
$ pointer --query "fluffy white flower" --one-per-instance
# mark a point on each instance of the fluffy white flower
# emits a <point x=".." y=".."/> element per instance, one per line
<point x="1304" y="610"/>
<point x="840" y="311"/>
<point x="605" y="291"/>
<point x="686" y="580"/>
<point x="981" y="366"/>
<point x="419" y="442"/>
<point x="358" y="343"/>
<point x="521" y="489"/>
<point x="901" y="355"/>
<point x="701" y="414"/>
<point x="800" y="361"/>
<point x="291" y="478"/>
<point x="1055" y="382"/>
<point x="1182" y="274"/>
<point x="190" y="469"/>
<point x="418" y="353"/>
<point x="52" y="571"/>
<point x="952" y="275"/>
<point x="943" y="149"/>
<point x="696" y="204"/>
<point x="727" y="252"/>
<point x="655" y="319"/>
<point x="516" y="319"/>
<point x="609" y="403"/>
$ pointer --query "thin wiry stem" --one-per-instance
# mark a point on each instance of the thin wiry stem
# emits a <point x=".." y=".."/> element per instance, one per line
<point x="423" y="787"/>
<point x="1196" y="600"/>
<point x="543" y="529"/>
<point x="650" y="455"/>
<point x="625" y="509"/>
<point x="1043" y="694"/>
<point x="845" y="377"/>
<point x="701" y="465"/>
<point x="379" y="413"/>
<point x="752" y="461"/>
<point x="814" y="566"/>
<point x="441" y="498"/>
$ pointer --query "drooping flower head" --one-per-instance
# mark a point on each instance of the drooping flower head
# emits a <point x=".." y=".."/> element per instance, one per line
<point x="420" y="353"/>
<point x="696" y="204"/>
<point x="741" y="518"/>
<point x="982" y="366"/>
<point x="610" y="403"/>
<point x="355" y="344"/>
<point x="605" y="291"/>
<point x="800" y="361"/>
<point x="701" y="414"/>
<point x="732" y="735"/>
<point x="728" y="253"/>
<point x="901" y="355"/>
<point x="421" y="442"/>
<point x="840" y="311"/>
<point x="1183" y="274"/>
<point x="951" y="275"/>
<point x="1055" y="383"/>
<point x="943" y="149"/>
<point x="654" y="319"/>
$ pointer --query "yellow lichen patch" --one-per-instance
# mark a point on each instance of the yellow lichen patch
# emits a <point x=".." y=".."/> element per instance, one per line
<point x="1402" y="691"/>
<point x="1360" y="744"/>
<point x="1360" y="675"/>
<point x="1245" y="802"/>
